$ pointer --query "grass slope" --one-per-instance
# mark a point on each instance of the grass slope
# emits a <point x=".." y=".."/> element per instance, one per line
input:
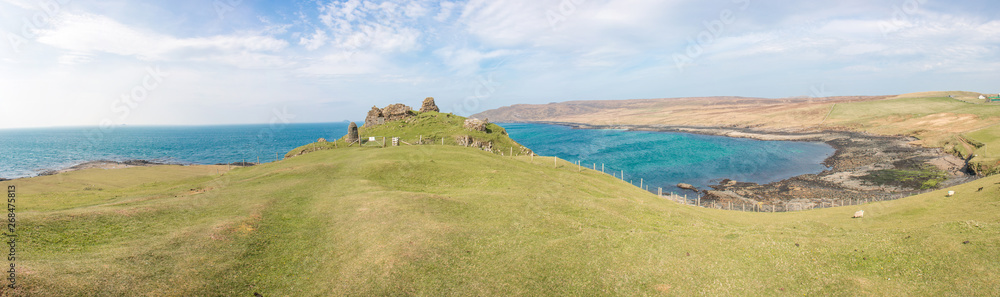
<point x="447" y="220"/>
<point x="959" y="127"/>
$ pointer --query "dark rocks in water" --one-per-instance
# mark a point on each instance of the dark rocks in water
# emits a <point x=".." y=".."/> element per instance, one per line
<point x="352" y="133"/>
<point x="374" y="118"/>
<point x="475" y="125"/>
<point x="687" y="186"/>
<point x="244" y="164"/>
<point x="429" y="105"/>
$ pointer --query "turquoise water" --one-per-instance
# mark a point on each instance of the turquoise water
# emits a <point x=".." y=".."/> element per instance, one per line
<point x="26" y="152"/>
<point x="663" y="159"/>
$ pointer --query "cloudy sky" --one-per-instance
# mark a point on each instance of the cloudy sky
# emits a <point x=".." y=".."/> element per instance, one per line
<point x="185" y="62"/>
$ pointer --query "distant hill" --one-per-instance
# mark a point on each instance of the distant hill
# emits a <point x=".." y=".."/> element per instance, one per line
<point x="707" y="111"/>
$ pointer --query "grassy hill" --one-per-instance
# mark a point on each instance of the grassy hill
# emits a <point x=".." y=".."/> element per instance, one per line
<point x="435" y="220"/>
<point x="425" y="128"/>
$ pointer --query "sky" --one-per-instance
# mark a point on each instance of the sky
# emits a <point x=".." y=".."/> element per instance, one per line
<point x="204" y="62"/>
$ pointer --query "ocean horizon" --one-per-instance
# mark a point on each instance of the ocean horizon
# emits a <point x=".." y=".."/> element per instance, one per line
<point x="26" y="152"/>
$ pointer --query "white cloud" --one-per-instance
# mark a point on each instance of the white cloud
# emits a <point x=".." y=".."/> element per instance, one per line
<point x="315" y="41"/>
<point x="75" y="58"/>
<point x="94" y="33"/>
<point x="25" y="4"/>
<point x="445" y="13"/>
<point x="370" y="25"/>
<point x="466" y="61"/>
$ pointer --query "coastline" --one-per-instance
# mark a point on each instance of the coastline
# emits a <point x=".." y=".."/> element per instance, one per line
<point x="109" y="164"/>
<point x="857" y="156"/>
<point x="102" y="164"/>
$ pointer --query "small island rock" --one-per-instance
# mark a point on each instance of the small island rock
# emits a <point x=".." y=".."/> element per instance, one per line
<point x="686" y="187"/>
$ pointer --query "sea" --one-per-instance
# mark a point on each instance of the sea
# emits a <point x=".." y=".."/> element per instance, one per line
<point x="28" y="152"/>
<point x="664" y="159"/>
<point x="658" y="159"/>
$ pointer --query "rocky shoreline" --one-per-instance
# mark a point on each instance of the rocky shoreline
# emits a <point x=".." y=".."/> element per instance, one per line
<point x="859" y="159"/>
<point x="104" y="164"/>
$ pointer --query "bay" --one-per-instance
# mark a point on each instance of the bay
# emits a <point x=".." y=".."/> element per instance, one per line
<point x="664" y="159"/>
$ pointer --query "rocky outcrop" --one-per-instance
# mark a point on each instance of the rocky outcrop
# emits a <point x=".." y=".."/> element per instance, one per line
<point x="321" y="140"/>
<point x="429" y="105"/>
<point x="374" y="117"/>
<point x="686" y="187"/>
<point x="396" y="112"/>
<point x="352" y="133"/>
<point x="470" y="141"/>
<point x="475" y="125"/>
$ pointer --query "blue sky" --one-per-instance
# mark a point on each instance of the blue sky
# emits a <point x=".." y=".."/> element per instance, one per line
<point x="187" y="62"/>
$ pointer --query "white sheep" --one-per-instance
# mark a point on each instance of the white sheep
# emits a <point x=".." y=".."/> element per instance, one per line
<point x="859" y="214"/>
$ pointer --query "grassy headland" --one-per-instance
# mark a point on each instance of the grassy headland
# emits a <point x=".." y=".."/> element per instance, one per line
<point x="445" y="220"/>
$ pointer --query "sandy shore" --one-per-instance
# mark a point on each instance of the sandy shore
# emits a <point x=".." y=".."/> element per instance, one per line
<point x="857" y="156"/>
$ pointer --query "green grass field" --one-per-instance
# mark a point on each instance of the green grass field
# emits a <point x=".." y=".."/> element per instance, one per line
<point x="959" y="127"/>
<point x="436" y="220"/>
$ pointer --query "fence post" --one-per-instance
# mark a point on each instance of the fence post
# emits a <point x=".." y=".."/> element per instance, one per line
<point x="640" y="183"/>
<point x="659" y="192"/>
